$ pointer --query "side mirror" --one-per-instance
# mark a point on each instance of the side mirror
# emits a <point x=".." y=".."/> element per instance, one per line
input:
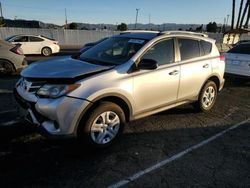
<point x="147" y="64"/>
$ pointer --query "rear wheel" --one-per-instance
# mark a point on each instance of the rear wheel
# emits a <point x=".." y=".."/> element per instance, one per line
<point x="6" y="68"/>
<point x="46" y="51"/>
<point x="103" y="125"/>
<point x="207" y="97"/>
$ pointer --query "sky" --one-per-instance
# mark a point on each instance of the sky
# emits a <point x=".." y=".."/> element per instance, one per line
<point x="118" y="11"/>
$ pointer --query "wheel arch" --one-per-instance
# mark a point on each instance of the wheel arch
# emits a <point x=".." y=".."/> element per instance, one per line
<point x="118" y="99"/>
<point x="213" y="78"/>
<point x="12" y="64"/>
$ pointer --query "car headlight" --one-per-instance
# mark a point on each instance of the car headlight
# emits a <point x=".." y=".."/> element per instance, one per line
<point x="55" y="91"/>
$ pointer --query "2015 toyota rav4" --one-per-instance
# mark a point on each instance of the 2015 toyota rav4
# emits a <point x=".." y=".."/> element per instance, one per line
<point x="126" y="77"/>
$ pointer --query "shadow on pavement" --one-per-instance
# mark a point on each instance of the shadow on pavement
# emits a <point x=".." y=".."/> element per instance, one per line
<point x="65" y="163"/>
<point x="234" y="81"/>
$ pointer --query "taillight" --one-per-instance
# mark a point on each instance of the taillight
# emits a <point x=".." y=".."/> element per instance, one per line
<point x="55" y="42"/>
<point x="222" y="58"/>
<point x="17" y="50"/>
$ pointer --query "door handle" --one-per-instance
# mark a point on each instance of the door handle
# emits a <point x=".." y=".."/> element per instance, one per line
<point x="206" y="66"/>
<point x="175" y="72"/>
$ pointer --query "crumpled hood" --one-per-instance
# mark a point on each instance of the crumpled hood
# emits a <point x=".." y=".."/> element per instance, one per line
<point x="62" y="67"/>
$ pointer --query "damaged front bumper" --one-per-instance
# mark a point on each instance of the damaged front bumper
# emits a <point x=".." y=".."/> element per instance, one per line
<point x="54" y="117"/>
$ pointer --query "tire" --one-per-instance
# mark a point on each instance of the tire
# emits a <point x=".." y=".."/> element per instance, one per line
<point x="109" y="121"/>
<point x="46" y="51"/>
<point x="6" y="68"/>
<point x="207" y="97"/>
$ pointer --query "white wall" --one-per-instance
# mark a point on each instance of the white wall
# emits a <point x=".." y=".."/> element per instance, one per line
<point x="65" y="37"/>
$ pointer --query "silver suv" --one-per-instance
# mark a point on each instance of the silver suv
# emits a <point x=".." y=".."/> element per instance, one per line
<point x="126" y="77"/>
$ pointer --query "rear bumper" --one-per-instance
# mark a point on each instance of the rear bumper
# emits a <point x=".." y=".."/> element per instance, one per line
<point x="23" y="66"/>
<point x="244" y="73"/>
<point x="222" y="84"/>
<point x="237" y="76"/>
<point x="55" y="48"/>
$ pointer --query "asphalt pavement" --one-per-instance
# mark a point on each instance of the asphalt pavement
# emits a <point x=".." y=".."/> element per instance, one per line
<point x="29" y="160"/>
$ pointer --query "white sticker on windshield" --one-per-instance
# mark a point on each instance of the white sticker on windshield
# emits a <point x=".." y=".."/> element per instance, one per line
<point x="137" y="41"/>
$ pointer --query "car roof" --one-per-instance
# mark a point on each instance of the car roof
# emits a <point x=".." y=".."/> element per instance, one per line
<point x="139" y="34"/>
<point x="148" y="35"/>
<point x="26" y="35"/>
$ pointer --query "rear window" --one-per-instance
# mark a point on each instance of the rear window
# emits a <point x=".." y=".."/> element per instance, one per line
<point x="206" y="47"/>
<point x="241" y="49"/>
<point x="48" y="38"/>
<point x="35" y="39"/>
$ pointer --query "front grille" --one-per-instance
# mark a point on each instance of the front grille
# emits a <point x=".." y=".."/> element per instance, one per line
<point x="28" y="105"/>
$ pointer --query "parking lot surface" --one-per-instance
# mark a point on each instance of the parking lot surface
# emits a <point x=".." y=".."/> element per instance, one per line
<point x="29" y="160"/>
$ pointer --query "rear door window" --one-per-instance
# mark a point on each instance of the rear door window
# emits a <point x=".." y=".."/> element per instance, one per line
<point x="241" y="49"/>
<point x="35" y="39"/>
<point x="189" y="48"/>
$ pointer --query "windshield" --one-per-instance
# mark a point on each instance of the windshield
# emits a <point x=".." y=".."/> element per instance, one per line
<point x="114" y="51"/>
<point x="10" y="37"/>
<point x="243" y="48"/>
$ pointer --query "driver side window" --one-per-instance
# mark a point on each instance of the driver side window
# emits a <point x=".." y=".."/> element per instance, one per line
<point x="162" y="52"/>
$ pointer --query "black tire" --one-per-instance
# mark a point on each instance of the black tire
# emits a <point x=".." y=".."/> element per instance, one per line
<point x="6" y="68"/>
<point x="87" y="133"/>
<point x="46" y="51"/>
<point x="206" y="99"/>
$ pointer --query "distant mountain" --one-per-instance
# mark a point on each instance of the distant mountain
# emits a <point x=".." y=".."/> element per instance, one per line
<point x="102" y="26"/>
<point x="161" y="27"/>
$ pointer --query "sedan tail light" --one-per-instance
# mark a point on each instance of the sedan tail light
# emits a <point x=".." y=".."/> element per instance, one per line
<point x="17" y="50"/>
<point x="56" y="42"/>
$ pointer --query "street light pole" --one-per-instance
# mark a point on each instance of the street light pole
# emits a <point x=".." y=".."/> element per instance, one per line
<point x="1" y="10"/>
<point x="66" y="21"/>
<point x="137" y="11"/>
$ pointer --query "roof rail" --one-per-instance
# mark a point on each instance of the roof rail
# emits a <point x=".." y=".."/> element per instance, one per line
<point x="138" y="31"/>
<point x="184" y="32"/>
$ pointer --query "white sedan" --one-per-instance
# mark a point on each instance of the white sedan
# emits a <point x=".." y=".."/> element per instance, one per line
<point x="32" y="44"/>
<point x="238" y="60"/>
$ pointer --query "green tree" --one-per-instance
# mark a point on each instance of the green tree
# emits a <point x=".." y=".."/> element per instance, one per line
<point x="122" y="27"/>
<point x="212" y="27"/>
<point x="73" y="25"/>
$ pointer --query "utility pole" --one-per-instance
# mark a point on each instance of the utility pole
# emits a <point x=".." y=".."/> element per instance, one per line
<point x="149" y="21"/>
<point x="233" y="15"/>
<point x="239" y="16"/>
<point x="1" y="16"/>
<point x="136" y="17"/>
<point x="248" y="17"/>
<point x="66" y="21"/>
<point x="227" y="19"/>
<point x="244" y="13"/>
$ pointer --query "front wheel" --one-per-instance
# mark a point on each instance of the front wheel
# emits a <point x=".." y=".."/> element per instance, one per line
<point x="207" y="97"/>
<point x="103" y="125"/>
